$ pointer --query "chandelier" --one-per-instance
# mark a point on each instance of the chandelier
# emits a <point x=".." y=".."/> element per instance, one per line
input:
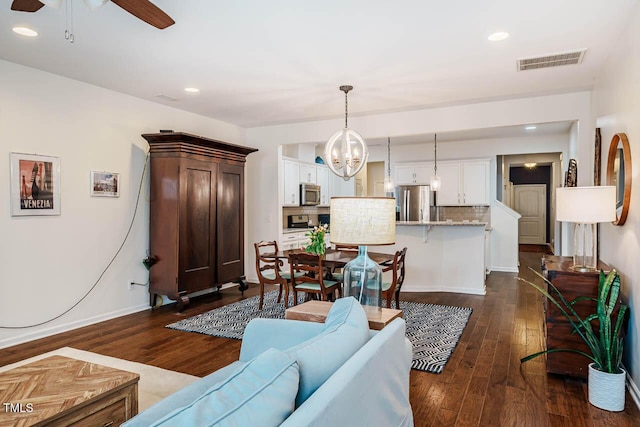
<point x="346" y="151"/>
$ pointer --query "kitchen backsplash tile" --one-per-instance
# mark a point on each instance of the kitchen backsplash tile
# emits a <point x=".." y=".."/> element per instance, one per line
<point x="454" y="213"/>
<point x="312" y="211"/>
<point x="461" y="213"/>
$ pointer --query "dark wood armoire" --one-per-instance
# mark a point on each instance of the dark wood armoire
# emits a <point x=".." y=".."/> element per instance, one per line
<point x="196" y="218"/>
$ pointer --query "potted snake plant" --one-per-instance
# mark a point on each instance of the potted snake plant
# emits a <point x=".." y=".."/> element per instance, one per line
<point x="604" y="339"/>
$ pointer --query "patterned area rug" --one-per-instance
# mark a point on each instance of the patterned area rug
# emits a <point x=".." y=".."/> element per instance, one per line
<point x="434" y="330"/>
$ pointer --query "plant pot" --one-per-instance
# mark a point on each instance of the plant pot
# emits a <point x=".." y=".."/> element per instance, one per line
<point x="606" y="391"/>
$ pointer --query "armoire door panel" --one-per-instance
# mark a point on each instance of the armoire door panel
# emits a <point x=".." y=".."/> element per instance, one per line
<point x="197" y="260"/>
<point x="230" y="222"/>
<point x="198" y="219"/>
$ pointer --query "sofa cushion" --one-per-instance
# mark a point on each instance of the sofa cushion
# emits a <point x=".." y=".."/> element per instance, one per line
<point x="346" y="329"/>
<point x="263" y="389"/>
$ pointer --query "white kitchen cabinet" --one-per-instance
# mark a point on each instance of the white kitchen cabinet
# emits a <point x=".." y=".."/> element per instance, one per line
<point x="294" y="240"/>
<point x="291" y="178"/>
<point x="296" y="173"/>
<point x="322" y="179"/>
<point x="308" y="174"/>
<point x="449" y="193"/>
<point x="475" y="188"/>
<point x="414" y="173"/>
<point x="463" y="183"/>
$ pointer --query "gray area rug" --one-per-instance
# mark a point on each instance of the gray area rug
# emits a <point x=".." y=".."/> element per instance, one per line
<point x="434" y="330"/>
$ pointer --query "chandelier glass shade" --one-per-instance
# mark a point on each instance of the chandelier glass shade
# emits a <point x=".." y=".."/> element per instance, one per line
<point x="346" y="152"/>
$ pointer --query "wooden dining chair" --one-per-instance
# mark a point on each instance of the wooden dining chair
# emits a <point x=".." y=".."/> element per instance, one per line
<point x="389" y="289"/>
<point x="338" y="274"/>
<point x="269" y="273"/>
<point x="307" y="275"/>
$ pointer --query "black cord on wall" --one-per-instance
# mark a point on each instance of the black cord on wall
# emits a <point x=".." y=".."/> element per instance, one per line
<point x="135" y="211"/>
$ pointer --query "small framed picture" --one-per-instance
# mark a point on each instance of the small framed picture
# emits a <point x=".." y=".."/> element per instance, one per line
<point x="105" y="184"/>
<point x="35" y="185"/>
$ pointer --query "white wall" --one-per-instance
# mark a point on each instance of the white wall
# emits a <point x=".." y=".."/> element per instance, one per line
<point x="48" y="263"/>
<point x="616" y="106"/>
<point x="503" y="238"/>
<point x="260" y="196"/>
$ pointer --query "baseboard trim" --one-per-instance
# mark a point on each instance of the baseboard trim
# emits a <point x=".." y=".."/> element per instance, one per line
<point x="633" y="389"/>
<point x="506" y="269"/>
<point x="42" y="333"/>
<point x="471" y="291"/>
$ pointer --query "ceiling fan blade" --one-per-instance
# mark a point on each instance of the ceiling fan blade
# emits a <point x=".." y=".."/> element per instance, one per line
<point x="147" y="11"/>
<point x="26" y="5"/>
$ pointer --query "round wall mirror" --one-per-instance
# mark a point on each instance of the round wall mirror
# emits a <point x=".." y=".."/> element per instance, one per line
<point x="619" y="174"/>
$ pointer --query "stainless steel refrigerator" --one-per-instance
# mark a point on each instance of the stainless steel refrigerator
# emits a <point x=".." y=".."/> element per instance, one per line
<point x="413" y="202"/>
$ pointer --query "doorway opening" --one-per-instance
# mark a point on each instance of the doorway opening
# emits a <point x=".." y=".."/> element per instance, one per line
<point x="536" y="204"/>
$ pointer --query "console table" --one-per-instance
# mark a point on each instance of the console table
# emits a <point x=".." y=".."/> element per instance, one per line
<point x="316" y="311"/>
<point x="558" y="329"/>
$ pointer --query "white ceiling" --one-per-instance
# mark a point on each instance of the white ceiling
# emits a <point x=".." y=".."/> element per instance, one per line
<point x="503" y="132"/>
<point x="259" y="62"/>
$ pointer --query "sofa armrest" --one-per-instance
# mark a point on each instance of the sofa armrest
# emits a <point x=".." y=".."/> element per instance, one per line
<point x="281" y="334"/>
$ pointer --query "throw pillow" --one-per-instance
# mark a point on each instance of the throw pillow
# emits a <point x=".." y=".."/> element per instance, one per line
<point x="346" y="330"/>
<point x="263" y="389"/>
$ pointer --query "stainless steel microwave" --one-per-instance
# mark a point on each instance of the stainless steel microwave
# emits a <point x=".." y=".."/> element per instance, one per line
<point x="309" y="195"/>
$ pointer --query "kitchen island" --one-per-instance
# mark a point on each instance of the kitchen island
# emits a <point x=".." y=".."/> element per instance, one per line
<point x="443" y="256"/>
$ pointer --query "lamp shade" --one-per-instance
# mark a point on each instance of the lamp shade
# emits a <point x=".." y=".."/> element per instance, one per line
<point x="363" y="221"/>
<point x="586" y="205"/>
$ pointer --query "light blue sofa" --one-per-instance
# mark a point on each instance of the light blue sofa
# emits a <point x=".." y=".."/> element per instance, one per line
<point x="294" y="373"/>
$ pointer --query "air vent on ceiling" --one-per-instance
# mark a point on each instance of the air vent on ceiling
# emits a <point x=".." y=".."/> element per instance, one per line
<point x="552" y="60"/>
<point x="165" y="97"/>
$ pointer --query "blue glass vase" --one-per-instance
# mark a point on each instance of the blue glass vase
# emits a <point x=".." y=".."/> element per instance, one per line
<point x="363" y="279"/>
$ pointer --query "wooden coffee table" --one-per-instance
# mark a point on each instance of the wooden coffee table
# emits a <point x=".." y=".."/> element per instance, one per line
<point x="316" y="311"/>
<point x="58" y="391"/>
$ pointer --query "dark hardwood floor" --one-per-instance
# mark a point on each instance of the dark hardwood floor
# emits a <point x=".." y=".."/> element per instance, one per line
<point x="483" y="384"/>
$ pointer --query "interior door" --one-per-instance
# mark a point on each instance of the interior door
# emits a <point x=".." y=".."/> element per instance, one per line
<point x="530" y="202"/>
<point x="378" y="189"/>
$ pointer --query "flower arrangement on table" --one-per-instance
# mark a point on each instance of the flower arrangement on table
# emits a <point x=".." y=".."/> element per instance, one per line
<point x="316" y="246"/>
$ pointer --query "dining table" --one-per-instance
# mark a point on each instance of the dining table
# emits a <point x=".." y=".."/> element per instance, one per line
<point x="336" y="258"/>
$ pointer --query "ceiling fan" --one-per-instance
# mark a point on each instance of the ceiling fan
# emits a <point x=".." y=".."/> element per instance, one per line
<point x="142" y="9"/>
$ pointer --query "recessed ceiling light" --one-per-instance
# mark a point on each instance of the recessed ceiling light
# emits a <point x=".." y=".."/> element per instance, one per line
<point x="191" y="89"/>
<point x="530" y="128"/>
<point x="530" y="165"/>
<point x="24" y="31"/>
<point x="500" y="35"/>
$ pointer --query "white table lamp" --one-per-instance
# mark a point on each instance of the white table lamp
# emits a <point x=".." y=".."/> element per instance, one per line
<point x="585" y="207"/>
<point x="363" y="221"/>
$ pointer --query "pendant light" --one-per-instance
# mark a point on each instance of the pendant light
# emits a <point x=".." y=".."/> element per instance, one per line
<point x="435" y="179"/>
<point x="346" y="151"/>
<point x="388" y="182"/>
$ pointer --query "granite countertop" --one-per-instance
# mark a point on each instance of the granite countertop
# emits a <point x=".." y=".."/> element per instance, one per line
<point x="446" y="223"/>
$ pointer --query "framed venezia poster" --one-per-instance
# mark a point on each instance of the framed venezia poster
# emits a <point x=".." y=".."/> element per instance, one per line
<point x="35" y="185"/>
